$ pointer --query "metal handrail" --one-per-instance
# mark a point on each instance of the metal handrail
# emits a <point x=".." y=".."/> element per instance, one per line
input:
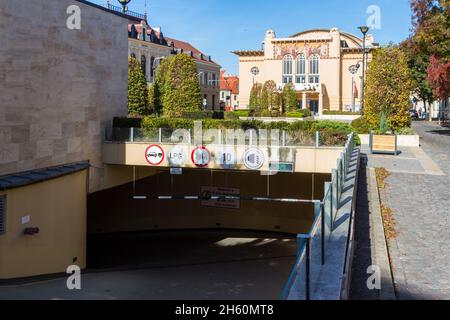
<point x="304" y="249"/>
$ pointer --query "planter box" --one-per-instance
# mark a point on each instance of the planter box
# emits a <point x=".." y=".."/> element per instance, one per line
<point x="386" y="143"/>
<point x="402" y="141"/>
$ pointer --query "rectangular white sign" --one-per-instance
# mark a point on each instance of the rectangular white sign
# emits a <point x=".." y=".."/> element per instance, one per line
<point x="221" y="192"/>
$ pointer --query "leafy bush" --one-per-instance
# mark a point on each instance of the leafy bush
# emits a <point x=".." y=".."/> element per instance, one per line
<point x="265" y="114"/>
<point x="274" y="113"/>
<point x="306" y="112"/>
<point x="331" y="132"/>
<point x="294" y="114"/>
<point x="231" y="116"/>
<point x="361" y="126"/>
<point x="197" y="115"/>
<point x="242" y="113"/>
<point x="405" y="132"/>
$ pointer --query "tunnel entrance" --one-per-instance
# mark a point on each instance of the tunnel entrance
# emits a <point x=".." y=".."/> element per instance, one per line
<point x="211" y="246"/>
<point x="155" y="199"/>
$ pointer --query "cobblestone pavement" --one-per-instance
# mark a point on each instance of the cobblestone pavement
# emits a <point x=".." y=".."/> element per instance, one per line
<point x="418" y="192"/>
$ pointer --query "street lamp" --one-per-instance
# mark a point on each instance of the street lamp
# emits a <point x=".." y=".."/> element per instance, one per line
<point x="124" y="4"/>
<point x="364" y="30"/>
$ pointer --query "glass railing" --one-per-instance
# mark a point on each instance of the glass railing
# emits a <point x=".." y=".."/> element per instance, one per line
<point x="312" y="247"/>
<point x="221" y="136"/>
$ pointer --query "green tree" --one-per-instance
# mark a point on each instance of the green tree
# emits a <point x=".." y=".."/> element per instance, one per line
<point x="431" y="36"/>
<point x="289" y="98"/>
<point x="269" y="97"/>
<point x="388" y="88"/>
<point x="137" y="89"/>
<point x="255" y="97"/>
<point x="160" y="83"/>
<point x="151" y="97"/>
<point x="181" y="89"/>
<point x="418" y="63"/>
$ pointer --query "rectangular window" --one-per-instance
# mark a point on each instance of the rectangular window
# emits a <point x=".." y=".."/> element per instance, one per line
<point x="287" y="79"/>
<point x="313" y="79"/>
<point x="300" y="79"/>
<point x="2" y="215"/>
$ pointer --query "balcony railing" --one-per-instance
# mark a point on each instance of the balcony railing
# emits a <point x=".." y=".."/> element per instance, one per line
<point x="128" y="12"/>
<point x="302" y="86"/>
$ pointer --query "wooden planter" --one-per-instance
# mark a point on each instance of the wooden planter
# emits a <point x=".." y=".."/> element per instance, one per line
<point x="383" y="143"/>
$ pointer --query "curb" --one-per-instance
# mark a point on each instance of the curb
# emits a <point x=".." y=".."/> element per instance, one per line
<point x="379" y="247"/>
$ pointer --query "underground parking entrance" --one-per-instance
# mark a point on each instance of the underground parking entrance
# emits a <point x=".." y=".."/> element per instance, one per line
<point x="201" y="234"/>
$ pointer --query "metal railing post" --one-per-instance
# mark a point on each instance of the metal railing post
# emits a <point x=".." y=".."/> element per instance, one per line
<point x="219" y="136"/>
<point x="131" y="134"/>
<point x="160" y="135"/>
<point x="322" y="210"/>
<point x="317" y="139"/>
<point x="308" y="269"/>
<point x="283" y="138"/>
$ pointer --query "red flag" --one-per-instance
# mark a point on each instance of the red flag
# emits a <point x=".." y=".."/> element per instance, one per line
<point x="355" y="89"/>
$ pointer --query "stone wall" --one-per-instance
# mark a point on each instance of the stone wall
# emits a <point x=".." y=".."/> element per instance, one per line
<point x="59" y="88"/>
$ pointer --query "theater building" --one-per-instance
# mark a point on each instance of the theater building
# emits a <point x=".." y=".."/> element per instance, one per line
<point x="317" y="62"/>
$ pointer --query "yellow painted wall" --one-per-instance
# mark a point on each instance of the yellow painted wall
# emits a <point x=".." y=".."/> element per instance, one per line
<point x="58" y="208"/>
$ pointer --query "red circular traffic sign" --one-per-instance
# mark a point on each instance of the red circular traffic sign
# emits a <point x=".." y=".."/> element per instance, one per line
<point x="201" y="157"/>
<point x="154" y="155"/>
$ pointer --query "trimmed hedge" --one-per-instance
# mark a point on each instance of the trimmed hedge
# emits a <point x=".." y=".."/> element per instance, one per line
<point x="294" y="114"/>
<point x="331" y="132"/>
<point x="361" y="126"/>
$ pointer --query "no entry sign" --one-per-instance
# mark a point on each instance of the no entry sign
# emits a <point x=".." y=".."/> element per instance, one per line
<point x="154" y="155"/>
<point x="201" y="157"/>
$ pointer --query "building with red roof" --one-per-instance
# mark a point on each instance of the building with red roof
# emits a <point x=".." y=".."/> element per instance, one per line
<point x="229" y="91"/>
<point x="149" y="46"/>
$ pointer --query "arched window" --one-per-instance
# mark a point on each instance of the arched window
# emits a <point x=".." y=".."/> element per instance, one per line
<point x="133" y="32"/>
<point x="287" y="69"/>
<point x="314" y="76"/>
<point x="144" y="65"/>
<point x="301" y="69"/>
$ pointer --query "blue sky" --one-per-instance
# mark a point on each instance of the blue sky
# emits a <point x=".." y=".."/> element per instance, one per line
<point x="217" y="27"/>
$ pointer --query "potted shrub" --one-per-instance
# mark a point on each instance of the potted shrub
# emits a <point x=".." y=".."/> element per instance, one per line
<point x="384" y="141"/>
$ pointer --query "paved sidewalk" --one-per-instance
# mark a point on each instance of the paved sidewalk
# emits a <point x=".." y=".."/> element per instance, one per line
<point x="418" y="192"/>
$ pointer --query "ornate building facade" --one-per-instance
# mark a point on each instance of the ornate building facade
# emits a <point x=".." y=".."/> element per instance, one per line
<point x="149" y="46"/>
<point x="317" y="62"/>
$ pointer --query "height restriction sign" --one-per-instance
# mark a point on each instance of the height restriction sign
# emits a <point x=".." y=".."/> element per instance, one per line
<point x="154" y="155"/>
<point x="201" y="157"/>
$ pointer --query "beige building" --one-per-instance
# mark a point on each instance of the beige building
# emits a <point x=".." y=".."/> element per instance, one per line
<point x="317" y="62"/>
<point x="149" y="46"/>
